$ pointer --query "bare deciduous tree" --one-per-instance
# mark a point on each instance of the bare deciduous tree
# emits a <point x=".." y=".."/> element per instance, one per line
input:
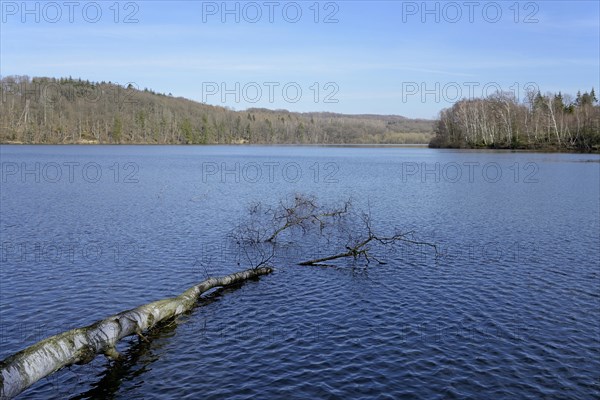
<point x="347" y="232"/>
<point x="300" y="213"/>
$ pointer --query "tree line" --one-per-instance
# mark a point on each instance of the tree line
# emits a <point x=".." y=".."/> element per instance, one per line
<point x="67" y="110"/>
<point x="544" y="122"/>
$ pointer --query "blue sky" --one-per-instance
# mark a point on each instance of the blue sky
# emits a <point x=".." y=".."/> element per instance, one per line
<point x="380" y="57"/>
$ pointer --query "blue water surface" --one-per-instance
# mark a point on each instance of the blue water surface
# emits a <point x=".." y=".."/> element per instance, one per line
<point x="510" y="307"/>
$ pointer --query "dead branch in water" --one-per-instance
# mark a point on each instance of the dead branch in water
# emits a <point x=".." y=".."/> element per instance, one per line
<point x="348" y="231"/>
<point x="302" y="212"/>
<point x="358" y="246"/>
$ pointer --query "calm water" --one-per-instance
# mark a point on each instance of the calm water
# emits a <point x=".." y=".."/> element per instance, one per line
<point x="509" y="310"/>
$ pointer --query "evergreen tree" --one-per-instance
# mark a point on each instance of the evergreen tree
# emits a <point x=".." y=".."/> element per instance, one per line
<point x="117" y="131"/>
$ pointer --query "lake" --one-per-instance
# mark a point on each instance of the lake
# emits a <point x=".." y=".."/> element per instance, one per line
<point x="508" y="309"/>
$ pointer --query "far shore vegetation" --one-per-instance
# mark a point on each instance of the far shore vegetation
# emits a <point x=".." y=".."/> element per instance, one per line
<point x="550" y="122"/>
<point x="67" y="111"/>
<point x="76" y="111"/>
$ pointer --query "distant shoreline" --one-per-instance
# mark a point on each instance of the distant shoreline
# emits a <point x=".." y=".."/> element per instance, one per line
<point x="363" y="145"/>
<point x="90" y="143"/>
<point x="541" y="149"/>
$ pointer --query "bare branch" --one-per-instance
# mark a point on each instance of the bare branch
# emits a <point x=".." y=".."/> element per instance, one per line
<point x="359" y="247"/>
<point x="342" y="227"/>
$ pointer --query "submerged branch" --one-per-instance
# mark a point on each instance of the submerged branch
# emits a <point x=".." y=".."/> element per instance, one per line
<point x="360" y="249"/>
<point x="81" y="345"/>
<point x="304" y="210"/>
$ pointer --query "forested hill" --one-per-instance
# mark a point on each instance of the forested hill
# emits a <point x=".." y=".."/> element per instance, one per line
<point x="48" y="110"/>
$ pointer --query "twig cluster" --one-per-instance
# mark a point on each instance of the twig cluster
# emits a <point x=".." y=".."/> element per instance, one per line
<point x="341" y="227"/>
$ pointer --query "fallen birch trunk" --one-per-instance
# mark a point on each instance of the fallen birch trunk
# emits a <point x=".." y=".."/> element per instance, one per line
<point x="81" y="345"/>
